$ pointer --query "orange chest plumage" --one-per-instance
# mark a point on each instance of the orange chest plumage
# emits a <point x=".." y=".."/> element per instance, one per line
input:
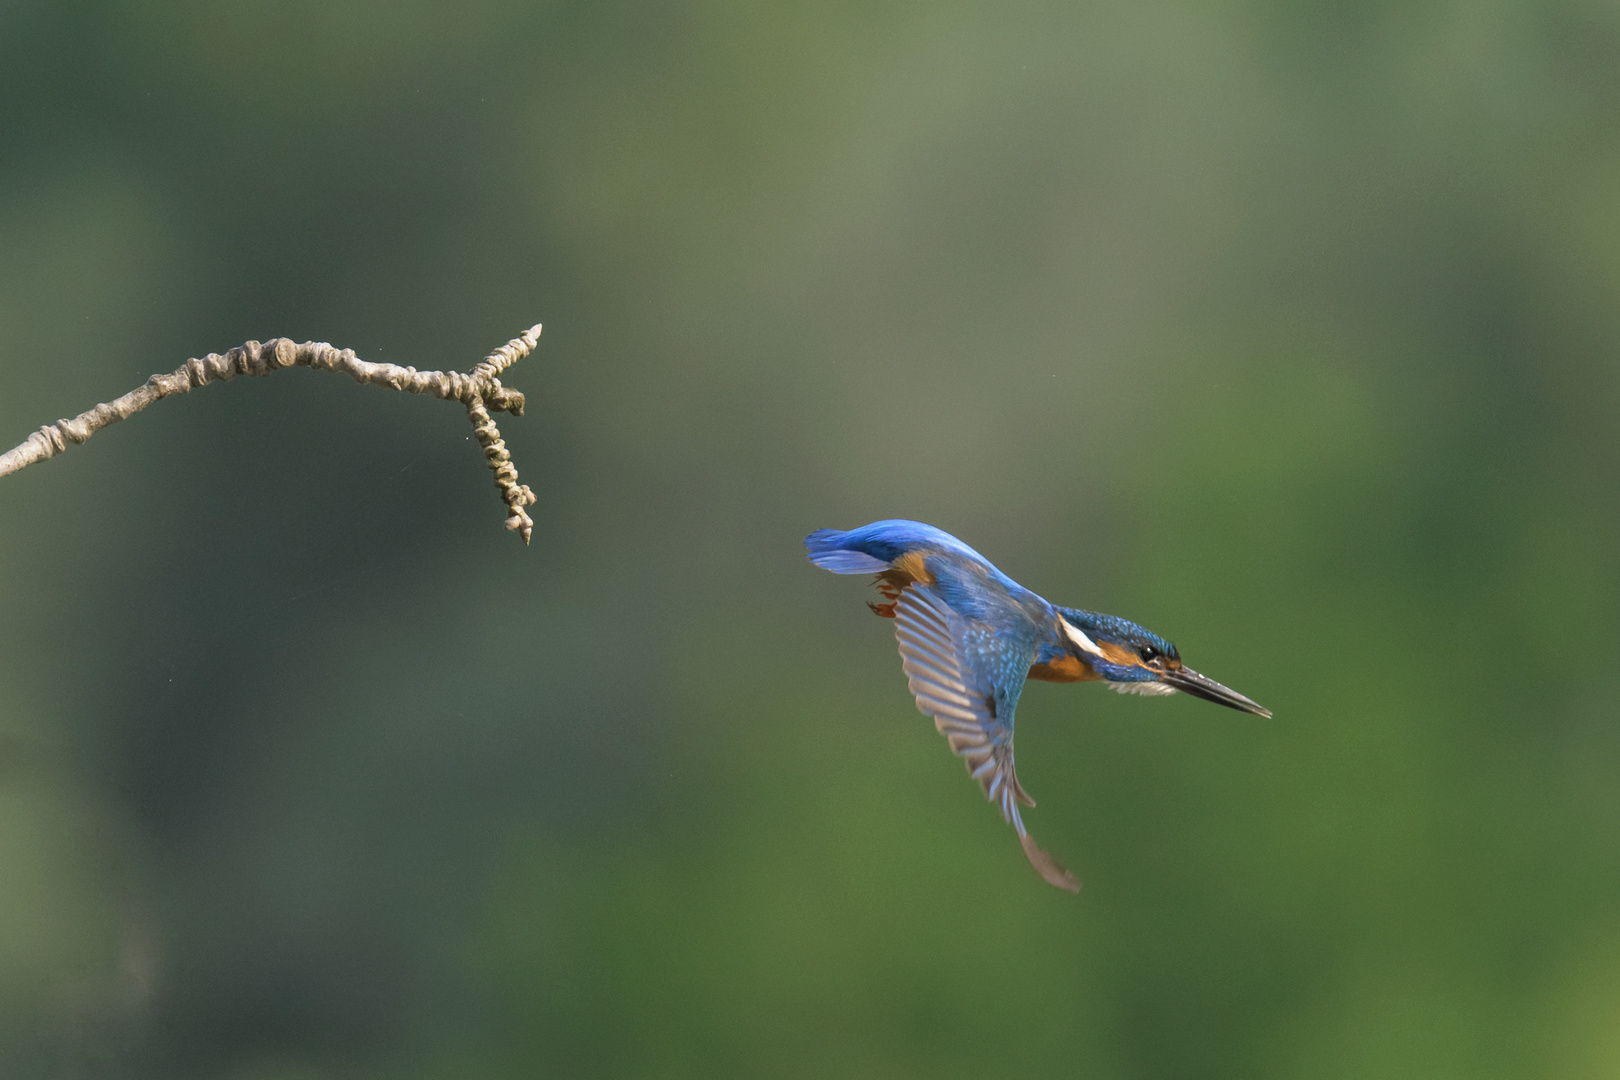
<point x="1064" y="669"/>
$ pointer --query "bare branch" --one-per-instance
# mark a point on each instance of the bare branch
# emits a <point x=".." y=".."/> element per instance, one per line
<point x="481" y="392"/>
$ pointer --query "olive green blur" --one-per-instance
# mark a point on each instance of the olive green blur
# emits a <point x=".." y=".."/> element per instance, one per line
<point x="1291" y="331"/>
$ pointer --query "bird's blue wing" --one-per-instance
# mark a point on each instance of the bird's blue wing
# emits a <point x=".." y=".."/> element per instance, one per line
<point x="968" y="678"/>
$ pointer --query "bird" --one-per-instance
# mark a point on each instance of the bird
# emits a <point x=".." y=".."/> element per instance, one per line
<point x="970" y="637"/>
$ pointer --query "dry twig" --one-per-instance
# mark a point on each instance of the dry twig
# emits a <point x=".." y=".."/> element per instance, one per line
<point x="481" y="392"/>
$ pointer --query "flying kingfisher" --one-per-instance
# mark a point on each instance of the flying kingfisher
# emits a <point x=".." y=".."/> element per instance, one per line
<point x="970" y="635"/>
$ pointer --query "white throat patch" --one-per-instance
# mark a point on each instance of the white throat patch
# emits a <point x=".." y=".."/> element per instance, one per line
<point x="1146" y="689"/>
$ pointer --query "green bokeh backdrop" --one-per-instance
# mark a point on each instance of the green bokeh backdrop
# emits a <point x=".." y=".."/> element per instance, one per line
<point x="1287" y="330"/>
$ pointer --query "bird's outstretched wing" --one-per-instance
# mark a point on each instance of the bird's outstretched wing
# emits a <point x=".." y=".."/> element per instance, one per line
<point x="933" y="642"/>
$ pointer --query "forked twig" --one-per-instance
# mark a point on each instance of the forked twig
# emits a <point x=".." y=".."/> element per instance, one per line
<point x="480" y="391"/>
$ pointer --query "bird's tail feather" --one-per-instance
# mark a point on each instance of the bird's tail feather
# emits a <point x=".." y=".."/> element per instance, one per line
<point x="1046" y="866"/>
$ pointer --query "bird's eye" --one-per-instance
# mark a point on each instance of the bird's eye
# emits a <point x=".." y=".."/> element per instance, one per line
<point x="1148" y="654"/>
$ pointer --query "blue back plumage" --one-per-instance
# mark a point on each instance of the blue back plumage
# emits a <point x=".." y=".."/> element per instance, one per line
<point x="885" y="541"/>
<point x="826" y="550"/>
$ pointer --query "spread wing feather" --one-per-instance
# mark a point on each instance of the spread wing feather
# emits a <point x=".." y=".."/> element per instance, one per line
<point x="965" y="711"/>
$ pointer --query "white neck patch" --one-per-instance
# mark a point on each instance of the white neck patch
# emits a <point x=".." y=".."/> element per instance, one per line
<point x="1076" y="635"/>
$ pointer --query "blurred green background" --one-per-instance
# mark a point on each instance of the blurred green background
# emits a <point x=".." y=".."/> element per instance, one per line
<point x="1288" y="330"/>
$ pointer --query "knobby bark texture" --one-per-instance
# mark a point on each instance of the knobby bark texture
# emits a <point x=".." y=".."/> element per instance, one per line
<point x="480" y="391"/>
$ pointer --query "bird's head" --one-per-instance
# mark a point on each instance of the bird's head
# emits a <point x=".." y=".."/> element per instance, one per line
<point x="1135" y="660"/>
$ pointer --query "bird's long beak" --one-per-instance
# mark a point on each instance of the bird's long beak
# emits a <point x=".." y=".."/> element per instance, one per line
<point x="1189" y="681"/>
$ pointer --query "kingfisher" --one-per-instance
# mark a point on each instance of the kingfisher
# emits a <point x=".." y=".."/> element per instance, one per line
<point x="970" y="636"/>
